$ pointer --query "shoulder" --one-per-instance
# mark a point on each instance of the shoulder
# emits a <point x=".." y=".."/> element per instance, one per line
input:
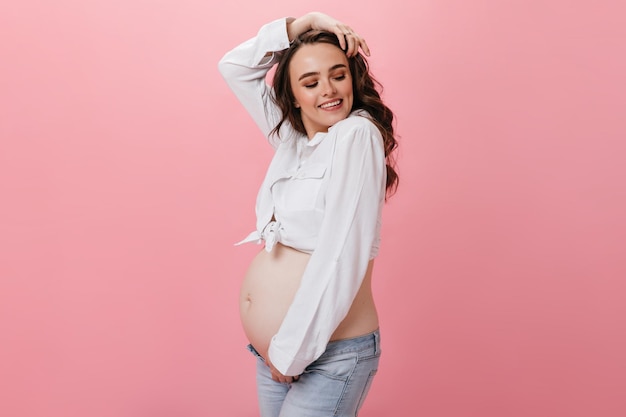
<point x="358" y="120"/>
<point x="358" y="126"/>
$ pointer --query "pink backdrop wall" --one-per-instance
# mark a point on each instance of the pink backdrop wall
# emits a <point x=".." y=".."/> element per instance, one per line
<point x="127" y="170"/>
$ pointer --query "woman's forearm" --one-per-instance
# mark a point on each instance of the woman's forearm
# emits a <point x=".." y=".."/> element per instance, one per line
<point x="297" y="26"/>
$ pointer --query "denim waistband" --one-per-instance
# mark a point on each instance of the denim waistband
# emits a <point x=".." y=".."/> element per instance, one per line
<point x="355" y="344"/>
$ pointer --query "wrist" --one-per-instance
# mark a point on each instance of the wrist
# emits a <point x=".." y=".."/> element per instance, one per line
<point x="297" y="26"/>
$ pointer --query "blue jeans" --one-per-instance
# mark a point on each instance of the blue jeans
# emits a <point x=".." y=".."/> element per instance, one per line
<point x="336" y="384"/>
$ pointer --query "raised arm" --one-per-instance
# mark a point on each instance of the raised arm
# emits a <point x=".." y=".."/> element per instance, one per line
<point x="245" y="67"/>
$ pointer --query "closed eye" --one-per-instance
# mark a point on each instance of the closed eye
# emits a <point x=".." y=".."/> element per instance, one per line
<point x="311" y="85"/>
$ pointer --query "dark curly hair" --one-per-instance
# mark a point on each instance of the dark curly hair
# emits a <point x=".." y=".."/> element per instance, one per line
<point x="365" y="89"/>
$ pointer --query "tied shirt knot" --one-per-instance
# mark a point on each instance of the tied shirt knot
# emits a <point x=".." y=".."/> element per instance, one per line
<point x="272" y="233"/>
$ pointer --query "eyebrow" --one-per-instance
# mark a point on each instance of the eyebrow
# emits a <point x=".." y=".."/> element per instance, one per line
<point x="334" y="67"/>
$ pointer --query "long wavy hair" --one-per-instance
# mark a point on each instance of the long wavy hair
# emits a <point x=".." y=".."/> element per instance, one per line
<point x="365" y="90"/>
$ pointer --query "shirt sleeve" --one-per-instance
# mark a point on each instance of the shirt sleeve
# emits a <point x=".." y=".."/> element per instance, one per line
<point x="333" y="276"/>
<point x="244" y="68"/>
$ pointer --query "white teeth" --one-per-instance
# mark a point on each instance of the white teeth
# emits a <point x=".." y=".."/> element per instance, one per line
<point x="331" y="104"/>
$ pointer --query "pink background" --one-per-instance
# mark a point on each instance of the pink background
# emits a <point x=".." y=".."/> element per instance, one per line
<point x="127" y="170"/>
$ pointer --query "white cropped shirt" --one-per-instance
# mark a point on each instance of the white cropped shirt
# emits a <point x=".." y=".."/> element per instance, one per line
<point x="325" y="195"/>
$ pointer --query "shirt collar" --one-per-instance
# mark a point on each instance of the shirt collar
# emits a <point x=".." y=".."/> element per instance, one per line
<point x="319" y="136"/>
<point x="316" y="139"/>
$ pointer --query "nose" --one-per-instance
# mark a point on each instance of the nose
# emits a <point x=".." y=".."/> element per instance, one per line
<point x="328" y="89"/>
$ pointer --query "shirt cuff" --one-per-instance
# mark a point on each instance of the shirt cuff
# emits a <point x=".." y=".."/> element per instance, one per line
<point x="286" y="365"/>
<point x="273" y="38"/>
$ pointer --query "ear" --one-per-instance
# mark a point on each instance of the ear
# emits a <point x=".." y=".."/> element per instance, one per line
<point x="296" y="105"/>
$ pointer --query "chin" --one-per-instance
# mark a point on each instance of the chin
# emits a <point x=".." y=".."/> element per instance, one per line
<point x="340" y="117"/>
<point x="343" y="118"/>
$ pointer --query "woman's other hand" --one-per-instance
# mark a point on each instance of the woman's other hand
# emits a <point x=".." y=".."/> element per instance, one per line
<point x="278" y="377"/>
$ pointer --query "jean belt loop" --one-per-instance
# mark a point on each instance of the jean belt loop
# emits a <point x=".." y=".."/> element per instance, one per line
<point x="377" y="342"/>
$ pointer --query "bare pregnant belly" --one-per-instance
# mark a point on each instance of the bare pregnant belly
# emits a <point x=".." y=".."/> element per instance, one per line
<point x="267" y="291"/>
<point x="269" y="287"/>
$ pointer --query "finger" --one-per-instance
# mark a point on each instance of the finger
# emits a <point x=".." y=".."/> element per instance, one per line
<point x="364" y="47"/>
<point x="341" y="37"/>
<point x="351" y="45"/>
<point x="353" y="42"/>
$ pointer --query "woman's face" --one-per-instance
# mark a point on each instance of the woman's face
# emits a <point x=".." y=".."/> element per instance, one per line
<point x="322" y="86"/>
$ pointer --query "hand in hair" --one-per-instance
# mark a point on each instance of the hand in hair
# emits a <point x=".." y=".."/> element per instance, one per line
<point x="349" y="40"/>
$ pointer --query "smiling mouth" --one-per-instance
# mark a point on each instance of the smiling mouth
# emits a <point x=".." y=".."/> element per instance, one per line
<point x="331" y="104"/>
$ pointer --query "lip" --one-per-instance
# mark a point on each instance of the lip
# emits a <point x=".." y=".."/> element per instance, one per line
<point x="331" y="108"/>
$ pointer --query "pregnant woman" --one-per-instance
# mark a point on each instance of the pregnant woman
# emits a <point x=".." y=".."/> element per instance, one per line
<point x="306" y="301"/>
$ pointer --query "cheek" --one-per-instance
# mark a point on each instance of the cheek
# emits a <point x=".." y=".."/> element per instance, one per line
<point x="297" y="93"/>
<point x="305" y="98"/>
<point x="347" y="89"/>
